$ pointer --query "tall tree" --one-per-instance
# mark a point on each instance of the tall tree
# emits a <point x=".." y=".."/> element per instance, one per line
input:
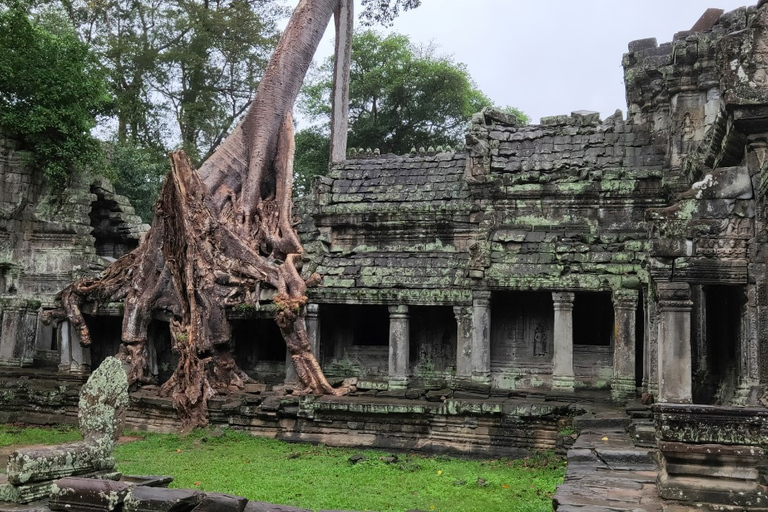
<point x="219" y="234"/>
<point x="183" y="71"/>
<point x="51" y="90"/>
<point x="401" y="96"/>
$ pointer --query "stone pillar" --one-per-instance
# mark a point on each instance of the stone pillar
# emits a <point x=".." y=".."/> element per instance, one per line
<point x="623" y="385"/>
<point x="312" y="322"/>
<point x="18" y="327"/>
<point x="81" y="356"/>
<point x="749" y="350"/>
<point x="290" y="370"/>
<point x="312" y="325"/>
<point x="562" y="360"/>
<point x="464" y="337"/>
<point x="65" y="356"/>
<point x="651" y="348"/>
<point x="399" y="347"/>
<point x="674" y="366"/>
<point x="481" y="337"/>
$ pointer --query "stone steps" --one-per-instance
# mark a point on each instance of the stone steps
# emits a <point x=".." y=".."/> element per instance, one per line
<point x="607" y="472"/>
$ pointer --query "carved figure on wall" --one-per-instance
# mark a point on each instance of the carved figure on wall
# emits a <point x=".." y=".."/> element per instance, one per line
<point x="688" y="133"/>
<point x="539" y="341"/>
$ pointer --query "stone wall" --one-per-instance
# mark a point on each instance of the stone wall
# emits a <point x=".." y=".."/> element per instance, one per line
<point x="46" y="242"/>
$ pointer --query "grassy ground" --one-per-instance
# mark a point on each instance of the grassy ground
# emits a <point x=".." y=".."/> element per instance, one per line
<point x="16" y="435"/>
<point x="318" y="477"/>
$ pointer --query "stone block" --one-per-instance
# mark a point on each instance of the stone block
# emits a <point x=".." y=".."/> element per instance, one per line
<point x="218" y="502"/>
<point x="88" y="494"/>
<point x="642" y="44"/>
<point x="40" y="464"/>
<point x="154" y="499"/>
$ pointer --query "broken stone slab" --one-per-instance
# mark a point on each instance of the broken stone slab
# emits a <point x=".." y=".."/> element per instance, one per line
<point x="159" y="499"/>
<point x="34" y="491"/>
<point x="585" y="118"/>
<point x="40" y="464"/>
<point x="722" y="183"/>
<point x="88" y="494"/>
<point x="101" y="415"/>
<point x="218" y="502"/>
<point x="38" y="506"/>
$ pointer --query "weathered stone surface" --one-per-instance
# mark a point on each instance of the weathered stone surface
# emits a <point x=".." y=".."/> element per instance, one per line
<point x="88" y="495"/>
<point x="154" y="499"/>
<point x="217" y="502"/>
<point x="103" y="401"/>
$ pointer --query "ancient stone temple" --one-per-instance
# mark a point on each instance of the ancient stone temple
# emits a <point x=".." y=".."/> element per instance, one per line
<point x="624" y="256"/>
<point x="47" y="239"/>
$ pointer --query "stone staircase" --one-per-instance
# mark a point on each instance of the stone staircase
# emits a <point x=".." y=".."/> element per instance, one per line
<point x="606" y="470"/>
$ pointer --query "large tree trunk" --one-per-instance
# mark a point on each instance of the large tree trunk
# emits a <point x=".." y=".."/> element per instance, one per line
<point x="218" y="235"/>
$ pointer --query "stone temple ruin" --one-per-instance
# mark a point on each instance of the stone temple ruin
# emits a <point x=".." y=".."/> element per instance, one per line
<point x="476" y="292"/>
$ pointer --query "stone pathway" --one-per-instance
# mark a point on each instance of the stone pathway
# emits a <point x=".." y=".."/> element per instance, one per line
<point x="606" y="472"/>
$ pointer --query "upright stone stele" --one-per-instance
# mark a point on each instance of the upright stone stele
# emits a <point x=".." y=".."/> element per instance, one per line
<point x="101" y="416"/>
<point x="624" y="310"/>
<point x="562" y="359"/>
<point x="674" y="369"/>
<point x="399" y="347"/>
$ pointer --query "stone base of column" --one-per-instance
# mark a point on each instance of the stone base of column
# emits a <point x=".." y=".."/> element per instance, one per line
<point x="563" y="383"/>
<point x="397" y="383"/>
<point x="481" y="378"/>
<point x="79" y="369"/>
<point x="623" y="390"/>
<point x="746" y="394"/>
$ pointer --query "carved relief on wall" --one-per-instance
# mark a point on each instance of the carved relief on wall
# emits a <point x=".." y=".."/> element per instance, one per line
<point x="732" y="241"/>
<point x="540" y="340"/>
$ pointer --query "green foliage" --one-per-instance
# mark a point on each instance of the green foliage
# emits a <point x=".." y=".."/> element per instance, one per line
<point x="385" y="11"/>
<point x="137" y="172"/>
<point x="51" y="90"/>
<point x="182" y="73"/>
<point x="401" y="96"/>
<point x="318" y="477"/>
<point x="12" y="435"/>
<point x="313" y="151"/>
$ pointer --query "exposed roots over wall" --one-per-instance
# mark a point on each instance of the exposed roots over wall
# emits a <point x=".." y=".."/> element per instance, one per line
<point x="195" y="266"/>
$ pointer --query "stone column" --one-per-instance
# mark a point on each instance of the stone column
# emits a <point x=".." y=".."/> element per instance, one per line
<point x="312" y="322"/>
<point x="312" y="325"/>
<point x="674" y="366"/>
<point x="65" y="356"/>
<point x="399" y="347"/>
<point x="464" y="339"/>
<point x="81" y="356"/>
<point x="18" y="327"/>
<point x="651" y="348"/>
<point x="481" y="337"/>
<point x="624" y="310"/>
<point x="749" y="349"/>
<point x="562" y="359"/>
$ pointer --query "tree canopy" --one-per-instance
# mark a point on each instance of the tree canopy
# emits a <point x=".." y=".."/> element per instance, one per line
<point x="51" y="90"/>
<point x="401" y="96"/>
<point x="385" y="11"/>
<point x="182" y="72"/>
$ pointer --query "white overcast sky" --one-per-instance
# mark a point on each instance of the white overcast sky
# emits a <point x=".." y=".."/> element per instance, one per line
<point x="546" y="57"/>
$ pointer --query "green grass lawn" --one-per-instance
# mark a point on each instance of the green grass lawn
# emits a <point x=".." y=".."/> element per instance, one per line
<point x="320" y="477"/>
<point x="16" y="435"/>
<point x="317" y="477"/>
